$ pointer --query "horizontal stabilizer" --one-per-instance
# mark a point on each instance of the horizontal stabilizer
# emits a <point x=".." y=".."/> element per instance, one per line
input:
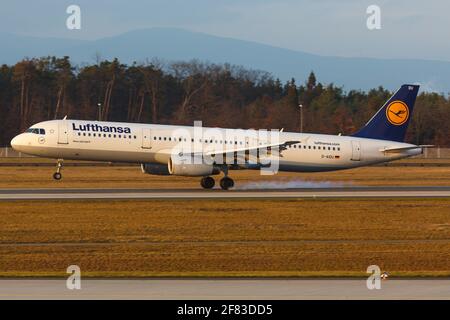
<point x="399" y="149"/>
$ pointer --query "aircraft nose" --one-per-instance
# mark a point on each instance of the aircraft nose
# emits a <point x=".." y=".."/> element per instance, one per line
<point x="15" y="142"/>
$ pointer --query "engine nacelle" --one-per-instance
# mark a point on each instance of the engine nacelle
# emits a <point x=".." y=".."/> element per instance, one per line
<point x="191" y="169"/>
<point x="155" y="168"/>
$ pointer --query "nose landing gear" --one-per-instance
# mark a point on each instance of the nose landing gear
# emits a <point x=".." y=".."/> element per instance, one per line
<point x="57" y="175"/>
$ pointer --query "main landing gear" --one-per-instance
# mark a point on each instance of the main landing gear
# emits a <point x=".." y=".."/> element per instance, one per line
<point x="57" y="175"/>
<point x="225" y="183"/>
<point x="207" y="182"/>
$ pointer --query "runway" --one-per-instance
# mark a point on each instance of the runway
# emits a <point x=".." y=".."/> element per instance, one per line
<point x="124" y="194"/>
<point x="226" y="289"/>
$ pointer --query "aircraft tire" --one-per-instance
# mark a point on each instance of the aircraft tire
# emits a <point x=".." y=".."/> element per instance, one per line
<point x="226" y="183"/>
<point x="207" y="183"/>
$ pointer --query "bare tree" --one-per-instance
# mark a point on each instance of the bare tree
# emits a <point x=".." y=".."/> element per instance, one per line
<point x="152" y="73"/>
<point x="23" y="72"/>
<point x="64" y="75"/>
<point x="194" y="78"/>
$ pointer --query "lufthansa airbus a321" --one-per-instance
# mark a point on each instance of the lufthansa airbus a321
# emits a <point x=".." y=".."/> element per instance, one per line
<point x="215" y="150"/>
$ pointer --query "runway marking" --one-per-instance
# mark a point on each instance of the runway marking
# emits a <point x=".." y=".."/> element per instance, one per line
<point x="309" y="193"/>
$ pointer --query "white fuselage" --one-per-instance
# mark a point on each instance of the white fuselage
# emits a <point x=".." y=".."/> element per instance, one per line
<point x="144" y="143"/>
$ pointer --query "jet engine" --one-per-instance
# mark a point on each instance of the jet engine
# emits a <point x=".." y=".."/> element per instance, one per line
<point x="155" y="168"/>
<point x="191" y="169"/>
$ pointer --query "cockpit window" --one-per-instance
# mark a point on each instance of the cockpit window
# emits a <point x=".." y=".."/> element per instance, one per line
<point x="35" y="131"/>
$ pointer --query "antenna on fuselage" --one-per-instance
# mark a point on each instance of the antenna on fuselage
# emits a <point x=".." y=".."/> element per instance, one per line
<point x="65" y="117"/>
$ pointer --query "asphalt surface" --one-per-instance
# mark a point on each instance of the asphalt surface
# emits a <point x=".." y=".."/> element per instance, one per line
<point x="341" y="192"/>
<point x="226" y="289"/>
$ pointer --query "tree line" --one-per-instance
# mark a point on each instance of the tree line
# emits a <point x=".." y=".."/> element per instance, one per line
<point x="222" y="95"/>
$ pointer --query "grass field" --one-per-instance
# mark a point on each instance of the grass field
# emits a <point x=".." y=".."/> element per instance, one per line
<point x="226" y="237"/>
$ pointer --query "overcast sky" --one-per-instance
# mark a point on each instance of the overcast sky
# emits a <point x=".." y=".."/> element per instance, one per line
<point x="410" y="28"/>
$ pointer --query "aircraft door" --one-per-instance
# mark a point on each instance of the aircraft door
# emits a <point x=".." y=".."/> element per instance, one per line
<point x="146" y="138"/>
<point x="63" y="132"/>
<point x="356" y="151"/>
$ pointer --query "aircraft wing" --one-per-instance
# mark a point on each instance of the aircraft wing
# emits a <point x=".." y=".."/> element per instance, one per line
<point x="281" y="146"/>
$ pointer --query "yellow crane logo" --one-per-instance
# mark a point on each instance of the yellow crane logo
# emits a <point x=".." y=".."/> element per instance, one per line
<point x="397" y="113"/>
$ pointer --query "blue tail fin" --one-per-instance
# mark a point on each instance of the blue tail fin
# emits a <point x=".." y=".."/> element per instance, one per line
<point x="391" y="121"/>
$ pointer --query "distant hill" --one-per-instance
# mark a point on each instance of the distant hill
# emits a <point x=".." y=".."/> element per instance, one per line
<point x="178" y="44"/>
